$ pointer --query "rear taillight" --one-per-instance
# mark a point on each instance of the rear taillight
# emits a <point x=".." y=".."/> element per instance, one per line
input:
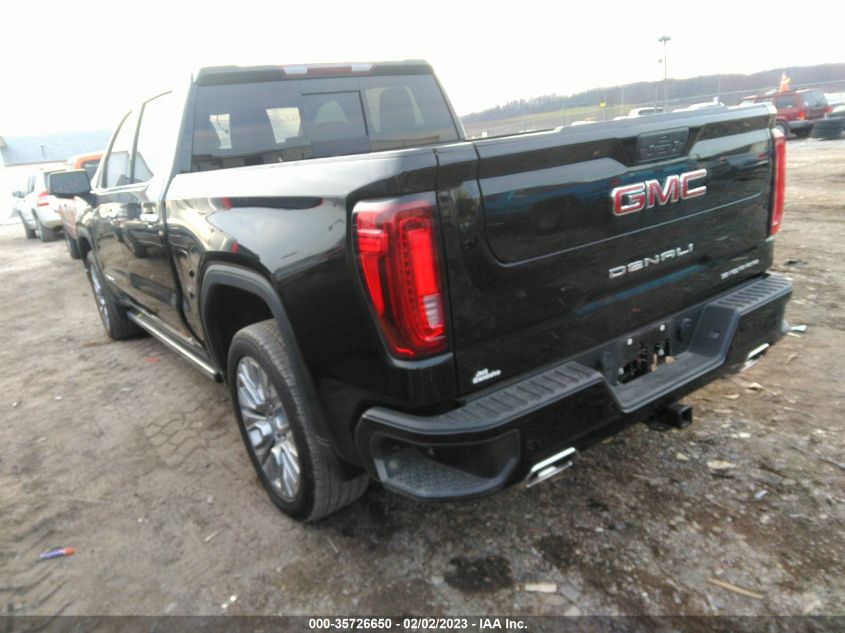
<point x="396" y="248"/>
<point x="42" y="199"/>
<point x="779" y="184"/>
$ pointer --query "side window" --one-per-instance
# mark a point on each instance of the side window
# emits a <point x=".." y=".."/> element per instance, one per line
<point x="117" y="163"/>
<point x="30" y="184"/>
<point x="155" y="137"/>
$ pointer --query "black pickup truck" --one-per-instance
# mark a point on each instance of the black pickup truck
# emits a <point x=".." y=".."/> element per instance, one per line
<point x="389" y="300"/>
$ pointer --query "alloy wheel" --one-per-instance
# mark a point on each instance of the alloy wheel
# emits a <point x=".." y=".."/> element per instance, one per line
<point x="99" y="295"/>
<point x="267" y="426"/>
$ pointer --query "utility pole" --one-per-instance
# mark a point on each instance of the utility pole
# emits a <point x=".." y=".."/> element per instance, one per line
<point x="664" y="39"/>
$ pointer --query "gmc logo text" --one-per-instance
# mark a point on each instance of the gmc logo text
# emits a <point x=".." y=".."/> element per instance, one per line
<point x="646" y="195"/>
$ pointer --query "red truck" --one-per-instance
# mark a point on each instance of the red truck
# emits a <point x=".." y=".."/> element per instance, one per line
<point x="67" y="208"/>
<point x="797" y="109"/>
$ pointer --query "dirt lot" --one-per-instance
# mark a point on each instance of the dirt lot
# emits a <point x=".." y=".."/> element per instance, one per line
<point x="130" y="456"/>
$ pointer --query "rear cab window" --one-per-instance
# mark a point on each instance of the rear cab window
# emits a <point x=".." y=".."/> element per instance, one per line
<point x="814" y="99"/>
<point x="285" y="120"/>
<point x="784" y="102"/>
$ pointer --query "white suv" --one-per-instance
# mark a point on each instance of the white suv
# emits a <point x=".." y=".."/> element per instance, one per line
<point x="37" y="209"/>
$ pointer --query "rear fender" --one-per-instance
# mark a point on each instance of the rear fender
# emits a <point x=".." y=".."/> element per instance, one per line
<point x="220" y="274"/>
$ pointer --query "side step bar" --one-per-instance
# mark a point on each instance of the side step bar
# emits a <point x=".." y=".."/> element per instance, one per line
<point x="160" y="332"/>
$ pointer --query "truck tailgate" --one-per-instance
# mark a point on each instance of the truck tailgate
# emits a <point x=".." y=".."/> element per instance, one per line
<point x="568" y="238"/>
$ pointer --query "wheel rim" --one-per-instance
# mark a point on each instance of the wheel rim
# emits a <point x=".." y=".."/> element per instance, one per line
<point x="268" y="428"/>
<point x="99" y="296"/>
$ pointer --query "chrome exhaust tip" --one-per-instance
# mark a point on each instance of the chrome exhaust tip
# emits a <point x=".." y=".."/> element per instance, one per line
<point x="754" y="356"/>
<point x="551" y="466"/>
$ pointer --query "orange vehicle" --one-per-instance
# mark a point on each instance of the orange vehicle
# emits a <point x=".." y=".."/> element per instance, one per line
<point x="67" y="209"/>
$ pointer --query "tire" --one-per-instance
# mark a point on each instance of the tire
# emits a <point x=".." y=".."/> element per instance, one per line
<point x="44" y="234"/>
<point x="112" y="314"/>
<point x="72" y="246"/>
<point x="30" y="233"/>
<point x="828" y="129"/>
<point x="784" y="128"/>
<point x="281" y="430"/>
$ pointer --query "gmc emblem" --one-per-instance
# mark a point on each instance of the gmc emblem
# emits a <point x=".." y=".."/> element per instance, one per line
<point x="649" y="194"/>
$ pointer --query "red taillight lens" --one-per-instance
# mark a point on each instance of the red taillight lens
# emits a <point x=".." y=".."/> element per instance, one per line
<point x="397" y="255"/>
<point x="779" y="184"/>
<point x="42" y="200"/>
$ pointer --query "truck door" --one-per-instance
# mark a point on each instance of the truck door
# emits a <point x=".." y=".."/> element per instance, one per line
<point x="116" y="199"/>
<point x="151" y="282"/>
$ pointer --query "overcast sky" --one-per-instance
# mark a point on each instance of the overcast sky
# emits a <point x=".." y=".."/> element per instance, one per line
<point x="68" y="65"/>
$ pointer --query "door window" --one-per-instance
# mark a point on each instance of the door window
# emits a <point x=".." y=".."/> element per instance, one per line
<point x="155" y="137"/>
<point x="118" y="165"/>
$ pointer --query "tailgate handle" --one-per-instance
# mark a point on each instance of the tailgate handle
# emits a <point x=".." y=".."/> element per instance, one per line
<point x="663" y="144"/>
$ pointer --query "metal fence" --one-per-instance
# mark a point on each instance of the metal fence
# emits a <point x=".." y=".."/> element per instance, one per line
<point x="575" y="114"/>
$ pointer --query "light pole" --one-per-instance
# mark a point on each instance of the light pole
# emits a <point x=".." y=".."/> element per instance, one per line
<point x="664" y="39"/>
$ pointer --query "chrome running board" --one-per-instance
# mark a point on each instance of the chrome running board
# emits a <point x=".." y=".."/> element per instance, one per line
<point x="158" y="331"/>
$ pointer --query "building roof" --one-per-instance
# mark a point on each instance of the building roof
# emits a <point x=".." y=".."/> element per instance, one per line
<point x="21" y="150"/>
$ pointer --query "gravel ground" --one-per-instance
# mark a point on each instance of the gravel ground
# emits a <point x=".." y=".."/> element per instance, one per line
<point x="127" y="454"/>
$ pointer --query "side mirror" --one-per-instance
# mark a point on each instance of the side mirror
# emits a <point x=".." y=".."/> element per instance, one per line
<point x="17" y="194"/>
<point x="68" y="184"/>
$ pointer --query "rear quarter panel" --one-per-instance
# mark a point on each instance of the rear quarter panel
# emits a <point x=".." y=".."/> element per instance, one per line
<point x="289" y="222"/>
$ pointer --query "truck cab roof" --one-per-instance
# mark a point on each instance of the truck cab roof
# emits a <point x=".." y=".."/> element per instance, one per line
<point x="211" y="75"/>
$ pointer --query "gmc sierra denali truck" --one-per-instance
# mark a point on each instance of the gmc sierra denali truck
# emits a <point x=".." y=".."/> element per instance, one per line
<point x="389" y="300"/>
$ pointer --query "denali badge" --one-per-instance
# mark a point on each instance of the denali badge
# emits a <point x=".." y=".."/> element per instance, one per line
<point x="485" y="374"/>
<point x="645" y="262"/>
<point x="646" y="195"/>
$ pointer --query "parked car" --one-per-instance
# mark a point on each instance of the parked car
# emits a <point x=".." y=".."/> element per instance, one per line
<point x="836" y="102"/>
<point x="387" y="299"/>
<point x="69" y="209"/>
<point x="637" y="112"/>
<point x="37" y="209"/>
<point x="797" y="109"/>
<point x="715" y="103"/>
<point x="645" y="111"/>
<point x="17" y="202"/>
